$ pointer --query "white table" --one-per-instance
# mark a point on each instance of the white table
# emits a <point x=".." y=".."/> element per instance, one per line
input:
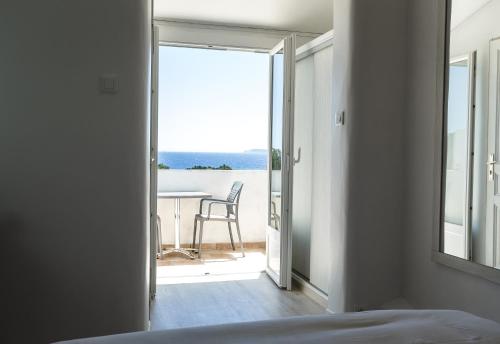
<point x="177" y="196"/>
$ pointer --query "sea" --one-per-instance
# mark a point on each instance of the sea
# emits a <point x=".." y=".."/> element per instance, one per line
<point x="248" y="160"/>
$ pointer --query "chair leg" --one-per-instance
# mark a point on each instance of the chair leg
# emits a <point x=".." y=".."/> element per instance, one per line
<point x="239" y="237"/>
<point x="231" y="234"/>
<point x="200" y="240"/>
<point x="193" y="246"/>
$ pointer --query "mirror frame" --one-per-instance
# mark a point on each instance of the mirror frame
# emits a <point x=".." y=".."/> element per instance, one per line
<point x="442" y="68"/>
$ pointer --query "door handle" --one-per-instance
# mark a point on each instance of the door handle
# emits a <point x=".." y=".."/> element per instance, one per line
<point x="491" y="167"/>
<point x="296" y="161"/>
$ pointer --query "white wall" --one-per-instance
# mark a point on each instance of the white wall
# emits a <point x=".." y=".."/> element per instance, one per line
<point x="340" y="295"/>
<point x="224" y="36"/>
<point x="73" y="186"/>
<point x="369" y="71"/>
<point x="253" y="203"/>
<point x="383" y="172"/>
<point x="428" y="284"/>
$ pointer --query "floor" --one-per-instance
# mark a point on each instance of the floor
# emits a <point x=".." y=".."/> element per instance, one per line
<point x="222" y="288"/>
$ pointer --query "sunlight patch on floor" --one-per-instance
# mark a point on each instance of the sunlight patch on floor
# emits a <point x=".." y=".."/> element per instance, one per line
<point x="208" y="278"/>
<point x="215" y="267"/>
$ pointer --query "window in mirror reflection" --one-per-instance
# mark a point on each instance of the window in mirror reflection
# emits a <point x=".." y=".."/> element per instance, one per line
<point x="458" y="161"/>
<point x="471" y="209"/>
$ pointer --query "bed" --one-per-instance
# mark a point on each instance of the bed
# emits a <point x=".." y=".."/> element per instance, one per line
<point x="390" y="326"/>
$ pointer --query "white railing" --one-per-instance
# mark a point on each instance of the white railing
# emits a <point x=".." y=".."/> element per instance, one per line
<point x="253" y="203"/>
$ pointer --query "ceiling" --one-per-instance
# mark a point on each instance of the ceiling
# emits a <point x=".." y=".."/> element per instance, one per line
<point x="293" y="15"/>
<point x="463" y="9"/>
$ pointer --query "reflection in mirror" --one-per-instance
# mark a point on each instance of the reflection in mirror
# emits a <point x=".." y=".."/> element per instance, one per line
<point x="471" y="194"/>
<point x="458" y="160"/>
<point x="276" y="140"/>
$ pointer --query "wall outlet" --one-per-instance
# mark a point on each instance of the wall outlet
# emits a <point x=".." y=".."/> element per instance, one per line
<point x="339" y="118"/>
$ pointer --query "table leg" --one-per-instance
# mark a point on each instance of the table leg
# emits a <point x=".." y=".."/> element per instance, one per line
<point x="177" y="214"/>
<point x="177" y="231"/>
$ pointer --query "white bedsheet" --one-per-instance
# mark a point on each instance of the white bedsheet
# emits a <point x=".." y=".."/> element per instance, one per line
<point x="388" y="327"/>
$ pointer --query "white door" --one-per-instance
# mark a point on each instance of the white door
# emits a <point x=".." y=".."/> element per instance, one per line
<point x="278" y="234"/>
<point x="153" y="177"/>
<point x="493" y="191"/>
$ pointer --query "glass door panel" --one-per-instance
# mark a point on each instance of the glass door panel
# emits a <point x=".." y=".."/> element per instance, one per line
<point x="282" y="62"/>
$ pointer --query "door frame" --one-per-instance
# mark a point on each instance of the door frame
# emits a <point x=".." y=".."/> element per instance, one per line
<point x="157" y="44"/>
<point x="288" y="45"/>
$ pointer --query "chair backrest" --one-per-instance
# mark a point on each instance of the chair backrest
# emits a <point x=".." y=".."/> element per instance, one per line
<point x="234" y="196"/>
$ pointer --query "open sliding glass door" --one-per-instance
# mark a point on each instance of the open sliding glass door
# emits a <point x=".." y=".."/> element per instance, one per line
<point x="278" y="233"/>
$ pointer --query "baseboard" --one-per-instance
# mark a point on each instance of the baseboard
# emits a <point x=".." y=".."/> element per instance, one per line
<point x="310" y="290"/>
<point x="223" y="245"/>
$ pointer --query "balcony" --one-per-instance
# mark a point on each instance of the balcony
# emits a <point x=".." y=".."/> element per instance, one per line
<point x="219" y="260"/>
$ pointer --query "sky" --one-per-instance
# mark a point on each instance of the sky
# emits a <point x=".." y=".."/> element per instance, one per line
<point x="458" y="98"/>
<point x="277" y="102"/>
<point x="212" y="100"/>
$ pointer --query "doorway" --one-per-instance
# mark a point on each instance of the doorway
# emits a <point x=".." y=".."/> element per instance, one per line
<point x="211" y="135"/>
<point x="207" y="112"/>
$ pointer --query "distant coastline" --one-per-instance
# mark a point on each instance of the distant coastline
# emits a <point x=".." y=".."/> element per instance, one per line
<point x="256" y="151"/>
<point x="254" y="159"/>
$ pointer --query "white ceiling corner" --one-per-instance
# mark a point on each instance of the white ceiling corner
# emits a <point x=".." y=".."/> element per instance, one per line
<point x="314" y="16"/>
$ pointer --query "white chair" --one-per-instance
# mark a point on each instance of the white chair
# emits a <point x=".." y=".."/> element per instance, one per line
<point x="232" y="207"/>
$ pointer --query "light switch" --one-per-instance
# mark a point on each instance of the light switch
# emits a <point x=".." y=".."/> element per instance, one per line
<point x="108" y="83"/>
<point x="339" y="118"/>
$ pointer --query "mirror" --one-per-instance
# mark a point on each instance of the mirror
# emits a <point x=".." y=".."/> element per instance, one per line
<point x="470" y="222"/>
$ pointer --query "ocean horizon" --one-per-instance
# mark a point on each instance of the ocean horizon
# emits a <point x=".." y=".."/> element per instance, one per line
<point x="249" y="160"/>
